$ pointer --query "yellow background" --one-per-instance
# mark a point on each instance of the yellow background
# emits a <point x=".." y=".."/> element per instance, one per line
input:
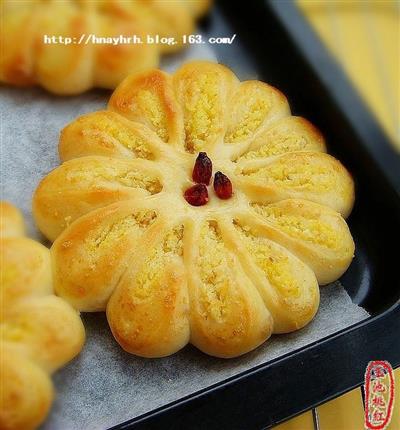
<point x="364" y="36"/>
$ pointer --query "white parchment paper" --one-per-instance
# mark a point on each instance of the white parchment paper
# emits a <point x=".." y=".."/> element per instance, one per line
<point x="105" y="386"/>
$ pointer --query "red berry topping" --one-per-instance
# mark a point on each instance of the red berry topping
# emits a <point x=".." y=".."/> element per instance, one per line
<point x="202" y="169"/>
<point x="196" y="195"/>
<point x="222" y="186"/>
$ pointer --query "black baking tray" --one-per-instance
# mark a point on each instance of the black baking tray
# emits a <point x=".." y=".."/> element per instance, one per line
<point x="275" y="43"/>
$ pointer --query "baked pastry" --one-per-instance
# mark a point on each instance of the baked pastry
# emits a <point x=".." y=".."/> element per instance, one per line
<point x="80" y="62"/>
<point x="39" y="331"/>
<point x="138" y="232"/>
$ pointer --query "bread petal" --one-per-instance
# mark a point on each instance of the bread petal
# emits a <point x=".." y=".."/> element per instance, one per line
<point x="148" y="98"/>
<point x="227" y="315"/>
<point x="91" y="255"/>
<point x="318" y="235"/>
<point x="11" y="221"/>
<point x="25" y="272"/>
<point x="287" y="285"/>
<point x="313" y="176"/>
<point x="26" y="392"/>
<point x="46" y="329"/>
<point x="149" y="311"/>
<point x="83" y="184"/>
<point x="203" y="90"/>
<point x="289" y="134"/>
<point x="108" y="134"/>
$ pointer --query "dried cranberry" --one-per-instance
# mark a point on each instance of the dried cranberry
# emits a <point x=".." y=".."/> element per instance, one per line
<point x="222" y="186"/>
<point x="202" y="170"/>
<point x="196" y="195"/>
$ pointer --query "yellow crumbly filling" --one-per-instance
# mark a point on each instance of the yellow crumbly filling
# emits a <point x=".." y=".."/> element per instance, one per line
<point x="202" y="118"/>
<point x="278" y="144"/>
<point x="115" y="173"/>
<point x="275" y="264"/>
<point x="215" y="274"/>
<point x="252" y="106"/>
<point x="295" y="173"/>
<point x="173" y="242"/>
<point x="135" y="222"/>
<point x="307" y="226"/>
<point x="151" y="107"/>
<point x="118" y="131"/>
<point x="149" y="278"/>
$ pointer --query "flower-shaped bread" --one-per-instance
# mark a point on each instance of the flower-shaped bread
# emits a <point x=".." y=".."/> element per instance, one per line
<point x="223" y="275"/>
<point x="77" y="53"/>
<point x="39" y="331"/>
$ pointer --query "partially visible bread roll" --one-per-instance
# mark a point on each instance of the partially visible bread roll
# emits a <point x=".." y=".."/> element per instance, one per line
<point x="39" y="332"/>
<point x="85" y="57"/>
<point x="11" y="221"/>
<point x="26" y="392"/>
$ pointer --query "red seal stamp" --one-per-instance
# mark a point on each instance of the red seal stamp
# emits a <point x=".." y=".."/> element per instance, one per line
<point x="379" y="395"/>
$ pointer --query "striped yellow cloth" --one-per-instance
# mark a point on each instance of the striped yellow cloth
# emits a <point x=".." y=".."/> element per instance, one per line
<point x="364" y="35"/>
<point x="302" y="422"/>
<point x="344" y="413"/>
<point x="395" y="421"/>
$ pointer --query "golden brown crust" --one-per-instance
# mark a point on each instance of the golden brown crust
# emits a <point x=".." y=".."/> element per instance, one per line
<point x="313" y="176"/>
<point x="84" y="184"/>
<point x="316" y="234"/>
<point x="109" y="134"/>
<point x="203" y="90"/>
<point x="146" y="321"/>
<point x="16" y="62"/>
<point x="288" y="134"/>
<point x="11" y="221"/>
<point x="149" y="99"/>
<point x="82" y="64"/>
<point x="197" y="8"/>
<point x="227" y="315"/>
<point x="26" y="392"/>
<point x="25" y="270"/>
<point x="224" y="275"/>
<point x="39" y="332"/>
<point x="46" y="329"/>
<point x="287" y="286"/>
<point x="95" y="263"/>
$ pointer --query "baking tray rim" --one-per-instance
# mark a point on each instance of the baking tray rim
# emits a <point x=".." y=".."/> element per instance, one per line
<point x="391" y="312"/>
